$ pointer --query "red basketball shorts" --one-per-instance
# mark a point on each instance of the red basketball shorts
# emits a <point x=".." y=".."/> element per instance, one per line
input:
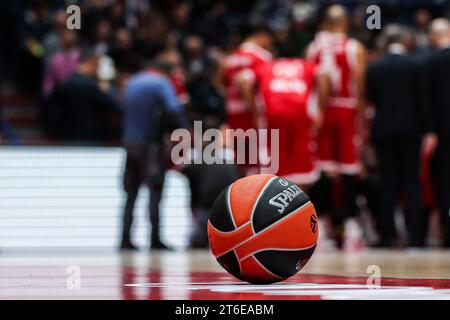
<point x="338" y="141"/>
<point x="297" y="148"/>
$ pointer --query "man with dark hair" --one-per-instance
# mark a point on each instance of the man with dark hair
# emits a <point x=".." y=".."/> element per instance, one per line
<point x="150" y="108"/>
<point x="397" y="86"/>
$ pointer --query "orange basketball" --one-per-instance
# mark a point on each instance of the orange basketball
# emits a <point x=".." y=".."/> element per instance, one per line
<point x="263" y="229"/>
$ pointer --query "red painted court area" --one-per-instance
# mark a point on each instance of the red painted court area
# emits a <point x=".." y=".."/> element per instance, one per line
<point x="196" y="276"/>
<point x="212" y="286"/>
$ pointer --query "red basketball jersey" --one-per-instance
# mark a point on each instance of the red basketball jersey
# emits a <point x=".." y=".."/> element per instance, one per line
<point x="243" y="62"/>
<point x="336" y="55"/>
<point x="285" y="85"/>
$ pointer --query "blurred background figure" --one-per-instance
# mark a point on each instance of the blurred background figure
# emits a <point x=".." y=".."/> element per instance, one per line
<point x="205" y="191"/>
<point x="422" y="18"/>
<point x="80" y="105"/>
<point x="123" y="52"/>
<point x="396" y="85"/>
<point x="64" y="61"/>
<point x="440" y="77"/>
<point x="52" y="40"/>
<point x="242" y="109"/>
<point x="287" y="86"/>
<point x="204" y="82"/>
<point x="150" y="108"/>
<point x="37" y="24"/>
<point x="344" y="59"/>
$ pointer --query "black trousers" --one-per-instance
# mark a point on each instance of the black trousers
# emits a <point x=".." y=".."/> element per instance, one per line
<point x="144" y="165"/>
<point x="399" y="172"/>
<point x="441" y="177"/>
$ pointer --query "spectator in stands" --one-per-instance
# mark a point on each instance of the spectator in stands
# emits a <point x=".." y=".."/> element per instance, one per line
<point x="117" y="15"/>
<point x="37" y="25"/>
<point x="396" y="85"/>
<point x="64" y="62"/>
<point x="180" y="20"/>
<point x="153" y="34"/>
<point x="94" y="11"/>
<point x="422" y="19"/>
<point x="80" y="105"/>
<point x="123" y="52"/>
<point x="102" y="37"/>
<point x="204" y="82"/>
<point x="440" y="94"/>
<point x="52" y="41"/>
<point x="150" y="108"/>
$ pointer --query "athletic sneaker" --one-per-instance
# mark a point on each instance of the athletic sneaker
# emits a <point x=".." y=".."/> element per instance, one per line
<point x="325" y="241"/>
<point x="353" y="236"/>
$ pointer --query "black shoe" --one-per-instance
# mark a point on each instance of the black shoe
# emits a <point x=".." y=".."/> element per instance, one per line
<point x="127" y="245"/>
<point x="158" y="245"/>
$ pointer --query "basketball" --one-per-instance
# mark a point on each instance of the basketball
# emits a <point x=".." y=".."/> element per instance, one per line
<point x="263" y="229"/>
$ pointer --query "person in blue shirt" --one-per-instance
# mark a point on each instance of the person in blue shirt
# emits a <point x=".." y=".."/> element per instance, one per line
<point x="150" y="109"/>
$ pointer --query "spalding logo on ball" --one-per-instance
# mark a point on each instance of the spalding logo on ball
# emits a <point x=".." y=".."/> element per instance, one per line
<point x="263" y="229"/>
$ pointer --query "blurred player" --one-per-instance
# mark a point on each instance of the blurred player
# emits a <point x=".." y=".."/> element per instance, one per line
<point x="287" y="87"/>
<point x="239" y="76"/>
<point x="344" y="60"/>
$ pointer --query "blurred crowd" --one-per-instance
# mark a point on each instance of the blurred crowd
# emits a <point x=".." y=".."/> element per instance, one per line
<point x="78" y="77"/>
<point x="38" y="52"/>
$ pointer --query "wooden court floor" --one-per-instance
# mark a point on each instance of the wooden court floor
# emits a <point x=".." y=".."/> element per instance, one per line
<point x="194" y="275"/>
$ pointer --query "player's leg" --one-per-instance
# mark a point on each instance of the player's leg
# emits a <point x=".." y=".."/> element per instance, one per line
<point x="349" y="168"/>
<point x="322" y="191"/>
<point x="348" y="159"/>
<point x="326" y="142"/>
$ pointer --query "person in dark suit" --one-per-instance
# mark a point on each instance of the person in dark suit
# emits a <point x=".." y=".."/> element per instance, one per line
<point x="397" y="86"/>
<point x="439" y="66"/>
